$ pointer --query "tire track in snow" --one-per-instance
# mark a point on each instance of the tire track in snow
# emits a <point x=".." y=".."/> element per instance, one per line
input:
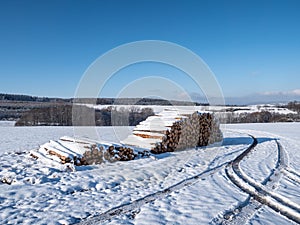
<point x="292" y="177"/>
<point x="233" y="213"/>
<point x="133" y="207"/>
<point x="246" y="209"/>
<point x="290" y="170"/>
<point x="260" y="194"/>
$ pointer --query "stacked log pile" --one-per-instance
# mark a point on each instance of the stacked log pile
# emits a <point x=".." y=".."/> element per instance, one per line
<point x="81" y="152"/>
<point x="167" y="131"/>
<point x="175" y="130"/>
<point x="98" y="155"/>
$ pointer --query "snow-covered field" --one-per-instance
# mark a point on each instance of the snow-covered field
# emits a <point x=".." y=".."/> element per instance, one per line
<point x="237" y="109"/>
<point x="196" y="186"/>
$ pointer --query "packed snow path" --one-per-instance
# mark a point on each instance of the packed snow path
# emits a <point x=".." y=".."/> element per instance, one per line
<point x="260" y="193"/>
<point x="133" y="207"/>
<point x="239" y="215"/>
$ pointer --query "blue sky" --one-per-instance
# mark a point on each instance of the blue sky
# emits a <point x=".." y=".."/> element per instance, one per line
<point x="253" y="47"/>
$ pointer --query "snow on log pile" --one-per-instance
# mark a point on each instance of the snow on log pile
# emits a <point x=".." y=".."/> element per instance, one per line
<point x="167" y="131"/>
<point x="81" y="152"/>
<point x="173" y="130"/>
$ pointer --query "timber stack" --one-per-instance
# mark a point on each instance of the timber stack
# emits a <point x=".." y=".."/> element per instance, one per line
<point x="173" y="130"/>
<point x="82" y="152"/>
<point x="168" y="131"/>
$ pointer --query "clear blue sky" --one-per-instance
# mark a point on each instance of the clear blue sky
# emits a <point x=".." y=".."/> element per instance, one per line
<point x="253" y="47"/>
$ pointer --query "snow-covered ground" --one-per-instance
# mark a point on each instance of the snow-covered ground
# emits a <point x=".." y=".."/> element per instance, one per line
<point x="236" y="109"/>
<point x="7" y="123"/>
<point x="187" y="187"/>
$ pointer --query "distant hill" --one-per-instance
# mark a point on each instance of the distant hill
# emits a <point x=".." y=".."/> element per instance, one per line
<point x="13" y="106"/>
<point x="99" y="101"/>
<point x="28" y="98"/>
<point x="32" y="110"/>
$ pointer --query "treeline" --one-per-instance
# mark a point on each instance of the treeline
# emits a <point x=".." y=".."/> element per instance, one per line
<point x="13" y="110"/>
<point x="61" y="115"/>
<point x="112" y="116"/>
<point x="143" y="101"/>
<point x="265" y="116"/>
<point x="258" y="117"/>
<point x="13" y="106"/>
<point x="28" y="98"/>
<point x="11" y="113"/>
<point x="54" y="115"/>
<point x="98" y="101"/>
<point x="294" y="106"/>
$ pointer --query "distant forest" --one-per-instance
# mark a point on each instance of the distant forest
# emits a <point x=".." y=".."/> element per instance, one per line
<point x="98" y="101"/>
<point x="258" y="117"/>
<point x="28" y="98"/>
<point x="263" y="116"/>
<point x="14" y="107"/>
<point x="61" y="115"/>
<point x="43" y="111"/>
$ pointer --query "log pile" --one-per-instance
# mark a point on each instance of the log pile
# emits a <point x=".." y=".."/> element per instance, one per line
<point x="97" y="155"/>
<point x="175" y="130"/>
<point x="81" y="152"/>
<point x="168" y="131"/>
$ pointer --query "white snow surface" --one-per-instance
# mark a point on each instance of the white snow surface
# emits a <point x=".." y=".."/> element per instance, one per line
<point x="51" y="194"/>
<point x="237" y="109"/>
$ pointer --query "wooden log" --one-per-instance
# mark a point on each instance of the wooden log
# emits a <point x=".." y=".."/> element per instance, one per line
<point x="64" y="159"/>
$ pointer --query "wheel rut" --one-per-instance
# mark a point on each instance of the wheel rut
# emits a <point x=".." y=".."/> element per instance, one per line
<point x="133" y="207"/>
<point x="260" y="194"/>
